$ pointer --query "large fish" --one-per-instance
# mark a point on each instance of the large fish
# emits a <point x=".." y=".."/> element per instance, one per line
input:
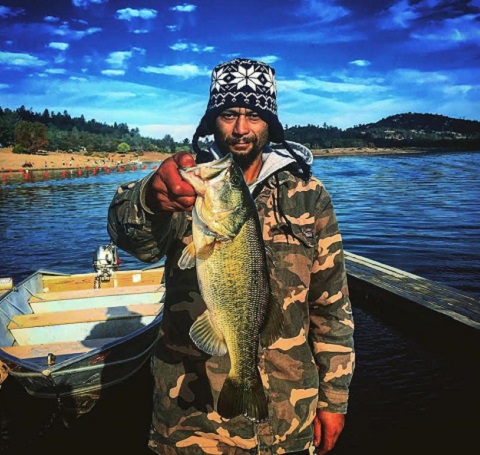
<point x="229" y="254"/>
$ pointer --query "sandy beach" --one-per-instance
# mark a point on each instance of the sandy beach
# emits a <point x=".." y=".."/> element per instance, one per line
<point x="62" y="160"/>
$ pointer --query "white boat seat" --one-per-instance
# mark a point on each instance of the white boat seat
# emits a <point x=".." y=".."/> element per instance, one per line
<point x="65" y="348"/>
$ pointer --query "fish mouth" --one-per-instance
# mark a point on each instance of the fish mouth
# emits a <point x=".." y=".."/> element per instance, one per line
<point x="221" y="163"/>
<point x="210" y="171"/>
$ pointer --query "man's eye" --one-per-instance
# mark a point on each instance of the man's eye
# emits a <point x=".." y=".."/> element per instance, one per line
<point x="228" y="116"/>
<point x="253" y="117"/>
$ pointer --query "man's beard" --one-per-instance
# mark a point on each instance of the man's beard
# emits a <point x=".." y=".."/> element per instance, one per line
<point x="244" y="160"/>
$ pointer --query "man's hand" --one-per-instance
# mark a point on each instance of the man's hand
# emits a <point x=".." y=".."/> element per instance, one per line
<point x="168" y="191"/>
<point x="327" y="427"/>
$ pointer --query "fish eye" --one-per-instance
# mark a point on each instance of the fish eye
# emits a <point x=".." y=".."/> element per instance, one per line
<point x="235" y="179"/>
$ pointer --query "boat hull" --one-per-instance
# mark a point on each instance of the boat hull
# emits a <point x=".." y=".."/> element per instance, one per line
<point x="62" y="338"/>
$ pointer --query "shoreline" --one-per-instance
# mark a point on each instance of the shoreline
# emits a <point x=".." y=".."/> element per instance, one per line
<point x="62" y="161"/>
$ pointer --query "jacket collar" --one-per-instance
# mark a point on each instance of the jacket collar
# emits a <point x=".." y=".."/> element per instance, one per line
<point x="275" y="157"/>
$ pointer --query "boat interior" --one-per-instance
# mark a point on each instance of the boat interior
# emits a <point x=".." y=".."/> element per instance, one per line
<point x="54" y="316"/>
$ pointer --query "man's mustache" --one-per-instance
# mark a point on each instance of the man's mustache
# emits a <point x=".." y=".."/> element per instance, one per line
<point x="230" y="140"/>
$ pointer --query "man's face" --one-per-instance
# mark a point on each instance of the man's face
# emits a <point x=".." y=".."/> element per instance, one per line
<point x="243" y="133"/>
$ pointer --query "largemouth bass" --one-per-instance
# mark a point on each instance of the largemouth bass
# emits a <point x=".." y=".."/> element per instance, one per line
<point x="230" y="257"/>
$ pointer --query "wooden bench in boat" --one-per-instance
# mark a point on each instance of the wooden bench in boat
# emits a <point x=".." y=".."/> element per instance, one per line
<point x="65" y="348"/>
<point x="93" y="298"/>
<point x="74" y="325"/>
<point x="85" y="281"/>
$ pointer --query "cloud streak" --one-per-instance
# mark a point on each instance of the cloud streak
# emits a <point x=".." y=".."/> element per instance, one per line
<point x="184" y="70"/>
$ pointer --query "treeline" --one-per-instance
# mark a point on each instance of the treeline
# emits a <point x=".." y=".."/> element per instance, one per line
<point x="29" y="131"/>
<point x="401" y="130"/>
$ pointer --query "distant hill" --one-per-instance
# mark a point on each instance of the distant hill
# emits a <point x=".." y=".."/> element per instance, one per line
<point x="401" y="130"/>
<point x="426" y="122"/>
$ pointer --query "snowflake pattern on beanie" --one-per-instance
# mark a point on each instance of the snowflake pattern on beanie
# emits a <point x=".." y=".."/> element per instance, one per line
<point x="245" y="83"/>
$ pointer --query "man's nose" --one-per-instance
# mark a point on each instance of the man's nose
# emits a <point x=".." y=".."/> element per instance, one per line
<point x="241" y="125"/>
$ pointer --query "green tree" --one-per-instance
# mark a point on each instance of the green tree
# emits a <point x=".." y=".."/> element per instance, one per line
<point x="8" y="120"/>
<point x="31" y="135"/>
<point x="123" y="147"/>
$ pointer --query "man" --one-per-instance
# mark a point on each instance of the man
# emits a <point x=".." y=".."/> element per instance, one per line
<point x="307" y="371"/>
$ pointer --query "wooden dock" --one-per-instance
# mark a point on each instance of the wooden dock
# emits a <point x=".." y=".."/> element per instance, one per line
<point x="422" y="305"/>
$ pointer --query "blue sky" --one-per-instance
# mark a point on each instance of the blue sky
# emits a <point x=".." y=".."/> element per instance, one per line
<point x="147" y="63"/>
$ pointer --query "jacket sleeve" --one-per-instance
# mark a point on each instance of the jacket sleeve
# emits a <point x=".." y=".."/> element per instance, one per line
<point x="331" y="319"/>
<point x="134" y="228"/>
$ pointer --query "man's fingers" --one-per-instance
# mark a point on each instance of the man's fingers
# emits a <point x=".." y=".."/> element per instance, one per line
<point x="184" y="159"/>
<point x="169" y="191"/>
<point x="172" y="179"/>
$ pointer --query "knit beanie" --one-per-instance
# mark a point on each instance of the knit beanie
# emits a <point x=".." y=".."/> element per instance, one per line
<point x="243" y="83"/>
<point x="249" y="84"/>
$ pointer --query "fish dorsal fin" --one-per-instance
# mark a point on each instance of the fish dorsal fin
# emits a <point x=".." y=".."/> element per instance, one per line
<point x="187" y="259"/>
<point x="274" y="323"/>
<point x="206" y="336"/>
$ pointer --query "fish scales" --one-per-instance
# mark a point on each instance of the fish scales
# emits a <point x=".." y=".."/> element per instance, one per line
<point x="229" y="255"/>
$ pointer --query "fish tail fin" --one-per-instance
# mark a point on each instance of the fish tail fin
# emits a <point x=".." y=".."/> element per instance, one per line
<point x="243" y="398"/>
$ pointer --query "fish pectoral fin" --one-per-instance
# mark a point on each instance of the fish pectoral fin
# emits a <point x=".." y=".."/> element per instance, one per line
<point x="273" y="324"/>
<point x="187" y="259"/>
<point x="206" y="249"/>
<point x="206" y="336"/>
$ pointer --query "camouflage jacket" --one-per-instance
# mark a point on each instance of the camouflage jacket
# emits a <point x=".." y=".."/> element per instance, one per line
<point x="309" y="367"/>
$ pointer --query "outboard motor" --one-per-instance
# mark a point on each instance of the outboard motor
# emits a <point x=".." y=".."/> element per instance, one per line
<point x="105" y="263"/>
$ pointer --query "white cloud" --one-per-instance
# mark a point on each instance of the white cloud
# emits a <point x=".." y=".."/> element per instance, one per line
<point x="410" y="76"/>
<point x="111" y="72"/>
<point x="312" y="84"/>
<point x="65" y="31"/>
<point x="5" y="11"/>
<point x="55" y="71"/>
<point x="325" y="10"/>
<point x="192" y="47"/>
<point x="458" y="90"/>
<point x="185" y="70"/>
<point x="2" y="86"/>
<point x="399" y="15"/>
<point x="268" y="59"/>
<point x="185" y="8"/>
<point x="20" y="60"/>
<point x="128" y="14"/>
<point x="51" y="19"/>
<point x="361" y="63"/>
<point x="118" y="59"/>
<point x="173" y="28"/>
<point x="450" y="33"/>
<point x="119" y="95"/>
<point x="179" y="47"/>
<point x="59" y="46"/>
<point x="86" y="3"/>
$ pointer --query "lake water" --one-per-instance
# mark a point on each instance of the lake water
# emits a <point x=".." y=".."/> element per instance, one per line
<point x="419" y="213"/>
